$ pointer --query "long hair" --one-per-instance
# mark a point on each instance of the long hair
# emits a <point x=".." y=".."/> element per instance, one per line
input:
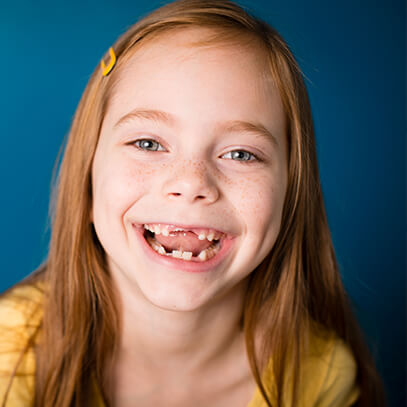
<point x="297" y="286"/>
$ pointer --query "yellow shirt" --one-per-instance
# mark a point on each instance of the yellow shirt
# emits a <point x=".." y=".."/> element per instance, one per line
<point x="328" y="376"/>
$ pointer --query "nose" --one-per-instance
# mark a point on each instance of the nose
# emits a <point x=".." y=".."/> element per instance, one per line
<point x="191" y="182"/>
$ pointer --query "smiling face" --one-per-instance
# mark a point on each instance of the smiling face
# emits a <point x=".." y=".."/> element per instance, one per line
<point x="194" y="138"/>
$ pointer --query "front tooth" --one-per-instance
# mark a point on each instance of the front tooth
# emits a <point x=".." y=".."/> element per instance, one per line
<point x="165" y="232"/>
<point x="210" y="236"/>
<point x="203" y="255"/>
<point x="177" y="254"/>
<point x="201" y="236"/>
<point x="161" y="250"/>
<point x="157" y="229"/>
<point x="187" y="255"/>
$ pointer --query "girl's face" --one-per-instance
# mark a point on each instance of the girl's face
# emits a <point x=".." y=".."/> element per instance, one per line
<point x="194" y="146"/>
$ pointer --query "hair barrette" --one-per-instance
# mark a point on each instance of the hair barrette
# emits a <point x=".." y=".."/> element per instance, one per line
<point x="106" y="69"/>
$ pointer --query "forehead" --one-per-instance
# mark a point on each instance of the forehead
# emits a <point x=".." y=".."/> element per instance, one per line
<point x="176" y="47"/>
<point x="219" y="74"/>
<point x="194" y="40"/>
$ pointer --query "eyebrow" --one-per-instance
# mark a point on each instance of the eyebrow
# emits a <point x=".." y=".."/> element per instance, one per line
<point x="160" y="116"/>
<point x="147" y="114"/>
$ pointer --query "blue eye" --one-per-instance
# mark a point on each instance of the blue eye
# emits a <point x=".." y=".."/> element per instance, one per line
<point x="148" y="145"/>
<point x="240" y="155"/>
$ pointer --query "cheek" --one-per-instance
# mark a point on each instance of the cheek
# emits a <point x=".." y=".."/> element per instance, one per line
<point x="254" y="196"/>
<point x="118" y="187"/>
<point x="259" y="201"/>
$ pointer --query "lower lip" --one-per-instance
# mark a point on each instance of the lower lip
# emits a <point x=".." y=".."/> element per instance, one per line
<point x="184" y="265"/>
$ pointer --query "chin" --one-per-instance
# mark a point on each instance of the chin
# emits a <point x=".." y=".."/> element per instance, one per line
<point x="176" y="300"/>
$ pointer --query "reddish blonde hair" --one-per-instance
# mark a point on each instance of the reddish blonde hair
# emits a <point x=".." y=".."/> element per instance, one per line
<point x="296" y="287"/>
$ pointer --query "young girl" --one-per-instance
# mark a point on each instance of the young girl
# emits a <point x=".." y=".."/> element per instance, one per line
<point x="190" y="261"/>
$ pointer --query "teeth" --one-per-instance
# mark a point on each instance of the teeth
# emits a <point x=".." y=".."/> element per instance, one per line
<point x="210" y="252"/>
<point x="187" y="255"/>
<point x="177" y="254"/>
<point x="203" y="255"/>
<point x="156" y="246"/>
<point x="210" y="236"/>
<point x="163" y="229"/>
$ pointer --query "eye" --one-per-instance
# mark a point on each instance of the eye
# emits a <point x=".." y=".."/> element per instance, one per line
<point x="240" y="155"/>
<point x="148" y="145"/>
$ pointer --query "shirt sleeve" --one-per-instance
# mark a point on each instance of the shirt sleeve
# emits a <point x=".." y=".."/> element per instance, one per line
<point x="18" y="321"/>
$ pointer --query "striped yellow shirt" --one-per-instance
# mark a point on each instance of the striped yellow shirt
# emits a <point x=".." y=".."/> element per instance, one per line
<point x="328" y="378"/>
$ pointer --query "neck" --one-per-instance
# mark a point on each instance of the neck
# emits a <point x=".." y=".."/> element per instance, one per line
<point x="152" y="336"/>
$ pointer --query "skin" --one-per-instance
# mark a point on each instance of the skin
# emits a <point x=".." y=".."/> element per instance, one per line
<point x="170" y="314"/>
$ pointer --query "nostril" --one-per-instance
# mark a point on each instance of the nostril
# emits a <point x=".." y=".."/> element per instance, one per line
<point x="198" y="197"/>
<point x="191" y="191"/>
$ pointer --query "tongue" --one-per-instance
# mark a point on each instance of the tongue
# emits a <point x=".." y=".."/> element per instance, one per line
<point x="185" y="241"/>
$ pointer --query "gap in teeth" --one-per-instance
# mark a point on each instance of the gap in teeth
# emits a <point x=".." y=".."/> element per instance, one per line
<point x="204" y="255"/>
<point x="163" y="229"/>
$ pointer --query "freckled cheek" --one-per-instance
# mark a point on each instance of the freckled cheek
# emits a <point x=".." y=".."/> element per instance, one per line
<point x="259" y="201"/>
<point x="120" y="186"/>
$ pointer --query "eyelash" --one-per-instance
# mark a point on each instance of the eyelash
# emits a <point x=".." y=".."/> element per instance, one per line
<point x="253" y="158"/>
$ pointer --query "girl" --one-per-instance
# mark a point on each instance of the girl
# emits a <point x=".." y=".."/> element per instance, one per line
<point x="190" y="260"/>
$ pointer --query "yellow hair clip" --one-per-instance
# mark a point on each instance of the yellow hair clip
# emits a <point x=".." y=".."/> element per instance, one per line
<point x="106" y="69"/>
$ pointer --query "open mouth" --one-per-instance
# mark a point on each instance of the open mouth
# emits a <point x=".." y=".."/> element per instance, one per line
<point x="190" y="244"/>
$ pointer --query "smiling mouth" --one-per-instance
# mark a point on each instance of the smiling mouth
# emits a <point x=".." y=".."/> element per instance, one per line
<point x="190" y="244"/>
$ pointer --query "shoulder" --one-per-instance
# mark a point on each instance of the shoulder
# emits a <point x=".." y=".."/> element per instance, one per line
<point x="20" y="317"/>
<point x="330" y="371"/>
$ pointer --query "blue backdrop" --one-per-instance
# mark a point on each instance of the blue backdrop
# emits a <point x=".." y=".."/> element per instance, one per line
<point x="353" y="56"/>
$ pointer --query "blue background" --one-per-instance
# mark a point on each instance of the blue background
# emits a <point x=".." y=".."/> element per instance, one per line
<point x="353" y="56"/>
